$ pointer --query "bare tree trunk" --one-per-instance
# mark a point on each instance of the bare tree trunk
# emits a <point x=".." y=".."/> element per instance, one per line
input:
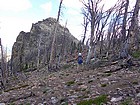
<point x="52" y="56"/>
<point x="101" y="33"/>
<point x="3" y="68"/>
<point x="63" y="47"/>
<point x="90" y="51"/>
<point x="95" y="17"/>
<point x="108" y="41"/>
<point x="124" y="41"/>
<point x="134" y="24"/>
<point x="38" y="53"/>
<point x="125" y="21"/>
<point x="6" y="65"/>
<point x="86" y="22"/>
<point x="101" y="45"/>
<point x="91" y="48"/>
<point x="11" y="65"/>
<point x="13" y="71"/>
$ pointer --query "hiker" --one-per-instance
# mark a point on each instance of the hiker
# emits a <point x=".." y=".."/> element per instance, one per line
<point x="79" y="60"/>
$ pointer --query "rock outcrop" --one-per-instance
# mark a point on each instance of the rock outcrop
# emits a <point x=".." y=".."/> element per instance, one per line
<point x="37" y="43"/>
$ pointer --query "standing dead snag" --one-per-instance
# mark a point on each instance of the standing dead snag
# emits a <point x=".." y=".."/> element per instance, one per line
<point x="133" y="29"/>
<point x="38" y="52"/>
<point x="90" y="13"/>
<point x="125" y="21"/>
<point x="3" y="67"/>
<point x="63" y="47"/>
<point x="98" y="20"/>
<point x="85" y="24"/>
<point x="52" y="55"/>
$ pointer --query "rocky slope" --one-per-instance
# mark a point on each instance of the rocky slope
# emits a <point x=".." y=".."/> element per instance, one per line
<point x="71" y="86"/>
<point x="28" y="44"/>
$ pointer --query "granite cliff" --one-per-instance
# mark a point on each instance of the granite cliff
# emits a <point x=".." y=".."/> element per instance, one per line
<point x="30" y="46"/>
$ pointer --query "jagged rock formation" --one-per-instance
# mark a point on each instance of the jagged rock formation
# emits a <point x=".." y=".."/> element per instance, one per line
<point x="25" y="49"/>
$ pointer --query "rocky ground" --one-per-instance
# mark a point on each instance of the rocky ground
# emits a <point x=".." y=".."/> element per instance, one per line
<point x="71" y="86"/>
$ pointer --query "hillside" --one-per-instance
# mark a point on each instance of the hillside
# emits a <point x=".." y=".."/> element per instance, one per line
<point x="43" y="68"/>
<point x="70" y="86"/>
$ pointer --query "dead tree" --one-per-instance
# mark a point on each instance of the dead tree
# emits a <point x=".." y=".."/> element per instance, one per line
<point x="123" y="43"/>
<point x="98" y="21"/>
<point x="104" y="21"/>
<point x="38" y="52"/>
<point x="91" y="10"/>
<point x="3" y="67"/>
<point x="63" y="46"/>
<point x="117" y="28"/>
<point x="133" y="29"/>
<point x="125" y="20"/>
<point x="85" y="24"/>
<point x="52" y="55"/>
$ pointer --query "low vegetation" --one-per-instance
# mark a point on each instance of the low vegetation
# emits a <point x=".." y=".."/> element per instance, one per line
<point x="66" y="66"/>
<point x="100" y="100"/>
<point x="103" y="85"/>
<point x="86" y="102"/>
<point x="97" y="101"/>
<point x="70" y="83"/>
<point x="127" y="102"/>
<point x="136" y="54"/>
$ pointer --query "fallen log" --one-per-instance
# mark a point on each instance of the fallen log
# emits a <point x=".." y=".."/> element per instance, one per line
<point x="111" y="71"/>
<point x="23" y="96"/>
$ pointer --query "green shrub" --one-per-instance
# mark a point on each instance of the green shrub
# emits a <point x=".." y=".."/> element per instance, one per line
<point x="135" y="82"/>
<point x="65" y="103"/>
<point x="108" y="74"/>
<point x="101" y="99"/>
<point x="11" y="104"/>
<point x="25" y="66"/>
<point x="70" y="83"/>
<point x="127" y="102"/>
<point x="97" y="101"/>
<point x="46" y="90"/>
<point x="136" y="54"/>
<point x="88" y="92"/>
<point x="67" y="74"/>
<point x="90" y="81"/>
<point x="83" y="89"/>
<point x="28" y="104"/>
<point x="103" y="85"/>
<point x="66" y="66"/>
<point x="80" y="83"/>
<point x="86" y="102"/>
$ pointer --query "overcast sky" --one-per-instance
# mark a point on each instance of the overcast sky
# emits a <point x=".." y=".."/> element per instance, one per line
<point x="18" y="15"/>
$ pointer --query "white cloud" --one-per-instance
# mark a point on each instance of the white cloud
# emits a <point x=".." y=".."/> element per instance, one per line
<point x="74" y="17"/>
<point x="10" y="28"/>
<point x="15" y="5"/>
<point x="73" y="12"/>
<point x="47" y="7"/>
<point x="72" y="4"/>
